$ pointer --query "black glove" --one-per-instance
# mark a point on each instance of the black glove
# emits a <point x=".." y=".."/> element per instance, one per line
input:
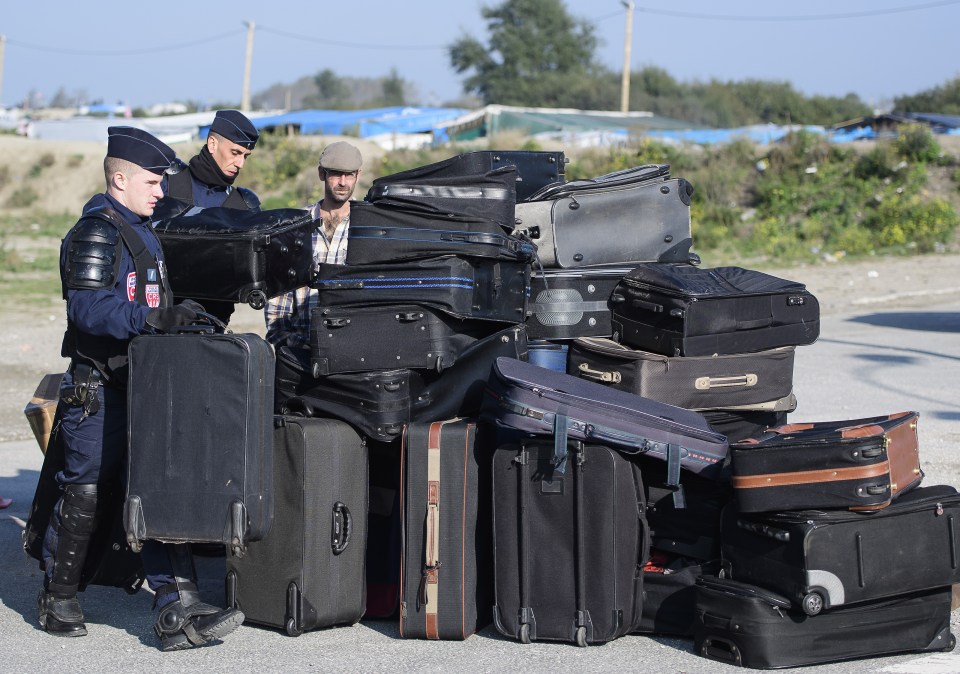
<point x="165" y="320"/>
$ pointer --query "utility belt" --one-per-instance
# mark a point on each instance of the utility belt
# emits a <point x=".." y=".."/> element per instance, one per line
<point x="87" y="381"/>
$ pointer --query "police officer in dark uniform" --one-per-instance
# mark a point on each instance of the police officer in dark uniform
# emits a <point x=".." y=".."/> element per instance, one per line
<point x="208" y="179"/>
<point x="115" y="286"/>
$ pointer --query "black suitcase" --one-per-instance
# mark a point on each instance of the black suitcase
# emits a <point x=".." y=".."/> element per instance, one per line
<point x="536" y="169"/>
<point x="384" y="233"/>
<point x="569" y="549"/>
<point x="568" y="303"/>
<point x="384" y="533"/>
<point x="237" y="256"/>
<point x="354" y="339"/>
<point x="683" y="310"/>
<point x="820" y="559"/>
<point x="380" y="402"/>
<point x="693" y="382"/>
<point x="200" y="458"/>
<point x="309" y="571"/>
<point x="742" y="424"/>
<point x="535" y="400"/>
<point x="748" y="626"/>
<point x="446" y="573"/>
<point x="629" y="216"/>
<point x="670" y="593"/>
<point x="462" y="185"/>
<point x="495" y="290"/>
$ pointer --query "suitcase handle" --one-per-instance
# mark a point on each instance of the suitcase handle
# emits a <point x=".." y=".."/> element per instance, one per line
<point x="336" y="322"/>
<point x="723" y="650"/>
<point x="599" y="375"/>
<point x="755" y="324"/>
<point x="649" y="306"/>
<point x="743" y="380"/>
<point x="342" y="528"/>
<point x="409" y="316"/>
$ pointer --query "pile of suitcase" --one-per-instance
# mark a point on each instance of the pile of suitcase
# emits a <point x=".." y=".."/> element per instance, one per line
<point x="525" y="399"/>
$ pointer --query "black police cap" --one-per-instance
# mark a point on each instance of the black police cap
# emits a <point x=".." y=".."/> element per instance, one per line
<point x="233" y="125"/>
<point x="140" y="148"/>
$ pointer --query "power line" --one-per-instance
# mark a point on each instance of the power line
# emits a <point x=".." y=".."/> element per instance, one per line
<point x="124" y="52"/>
<point x="800" y="17"/>
<point x="359" y="45"/>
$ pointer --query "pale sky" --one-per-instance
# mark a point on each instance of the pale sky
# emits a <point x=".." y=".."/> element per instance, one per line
<point x="144" y="53"/>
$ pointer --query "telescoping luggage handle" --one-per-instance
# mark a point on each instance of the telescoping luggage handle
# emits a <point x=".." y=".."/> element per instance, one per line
<point x="626" y="443"/>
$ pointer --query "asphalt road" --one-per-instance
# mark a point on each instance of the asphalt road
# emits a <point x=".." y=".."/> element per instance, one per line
<point x="870" y="363"/>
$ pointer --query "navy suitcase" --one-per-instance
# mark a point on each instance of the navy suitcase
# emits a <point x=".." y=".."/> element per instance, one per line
<point x="748" y="626"/>
<point x="481" y="288"/>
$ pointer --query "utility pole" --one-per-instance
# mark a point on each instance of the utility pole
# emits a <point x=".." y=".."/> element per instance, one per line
<point x="245" y="100"/>
<point x="3" y="45"/>
<point x="625" y="82"/>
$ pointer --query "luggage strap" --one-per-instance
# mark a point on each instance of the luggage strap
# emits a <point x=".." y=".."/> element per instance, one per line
<point x="427" y="597"/>
<point x="560" y="436"/>
<point x="566" y="307"/>
<point x="441" y="192"/>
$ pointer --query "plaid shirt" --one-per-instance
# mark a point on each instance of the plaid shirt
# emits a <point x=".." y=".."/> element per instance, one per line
<point x="288" y="315"/>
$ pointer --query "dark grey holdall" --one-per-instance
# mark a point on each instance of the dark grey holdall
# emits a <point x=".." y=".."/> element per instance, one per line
<point x="446" y="571"/>
<point x="200" y="462"/>
<point x="310" y="570"/>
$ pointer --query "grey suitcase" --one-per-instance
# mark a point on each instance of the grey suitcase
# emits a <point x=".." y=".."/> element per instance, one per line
<point x="694" y="382"/>
<point x="636" y="215"/>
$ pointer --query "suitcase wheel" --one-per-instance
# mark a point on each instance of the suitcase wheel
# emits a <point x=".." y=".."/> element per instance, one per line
<point x="812" y="603"/>
<point x="257" y="299"/>
<point x="950" y="646"/>
<point x="292" y="628"/>
<point x="581" y="637"/>
<point x="525" y="633"/>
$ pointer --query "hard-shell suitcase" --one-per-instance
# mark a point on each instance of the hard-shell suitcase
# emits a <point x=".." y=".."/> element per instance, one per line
<point x="354" y="339"/>
<point x="536" y="169"/>
<point x="568" y="303"/>
<point x="540" y="401"/>
<point x="861" y="464"/>
<point x="683" y="310"/>
<point x="380" y="402"/>
<point x="200" y="428"/>
<point x="748" y="626"/>
<point x="467" y="287"/>
<point x="309" y="571"/>
<point x="446" y="573"/>
<point x="569" y="549"/>
<point x="235" y="255"/>
<point x="459" y="185"/>
<point x="384" y="533"/>
<point x="635" y="215"/>
<point x="820" y="559"/>
<point x="670" y="593"/>
<point x="383" y="233"/>
<point x="693" y="382"/>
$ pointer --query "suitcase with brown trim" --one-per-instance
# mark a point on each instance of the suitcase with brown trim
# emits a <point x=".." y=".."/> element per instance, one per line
<point x="446" y="572"/>
<point x="860" y="464"/>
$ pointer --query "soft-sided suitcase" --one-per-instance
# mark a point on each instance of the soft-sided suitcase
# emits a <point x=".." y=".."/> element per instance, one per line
<point x="200" y="458"/>
<point x="235" y="255"/>
<point x="670" y="593"/>
<point x="568" y="303"/>
<point x="683" y="310"/>
<point x="861" y="464"/>
<point x="741" y="424"/>
<point x="446" y="574"/>
<point x="569" y="549"/>
<point x="384" y="534"/>
<point x="820" y="559"/>
<point x="385" y="233"/>
<point x="466" y="287"/>
<point x="354" y="339"/>
<point x="693" y="382"/>
<point x="748" y="626"/>
<point x="380" y="402"/>
<point x="540" y="401"/>
<point x="635" y="215"/>
<point x="459" y="185"/>
<point x="309" y="571"/>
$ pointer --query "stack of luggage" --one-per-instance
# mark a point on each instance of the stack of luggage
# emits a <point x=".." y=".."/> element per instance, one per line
<point x="525" y="399"/>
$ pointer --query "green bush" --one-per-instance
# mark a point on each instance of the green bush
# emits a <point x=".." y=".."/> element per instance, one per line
<point x="904" y="223"/>
<point x="915" y="142"/>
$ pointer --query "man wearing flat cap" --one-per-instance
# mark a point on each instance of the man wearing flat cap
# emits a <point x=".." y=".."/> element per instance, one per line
<point x="115" y="285"/>
<point x="209" y="178"/>
<point x="288" y="316"/>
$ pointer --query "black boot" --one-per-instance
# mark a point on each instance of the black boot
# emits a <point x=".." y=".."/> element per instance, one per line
<point x="61" y="617"/>
<point x="58" y="608"/>
<point x="188" y="622"/>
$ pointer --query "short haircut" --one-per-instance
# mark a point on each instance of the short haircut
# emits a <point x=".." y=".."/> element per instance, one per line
<point x="113" y="165"/>
<point x="215" y="135"/>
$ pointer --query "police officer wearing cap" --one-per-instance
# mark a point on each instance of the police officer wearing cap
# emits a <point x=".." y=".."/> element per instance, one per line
<point x="209" y="178"/>
<point x="115" y="286"/>
<point x="288" y="315"/>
